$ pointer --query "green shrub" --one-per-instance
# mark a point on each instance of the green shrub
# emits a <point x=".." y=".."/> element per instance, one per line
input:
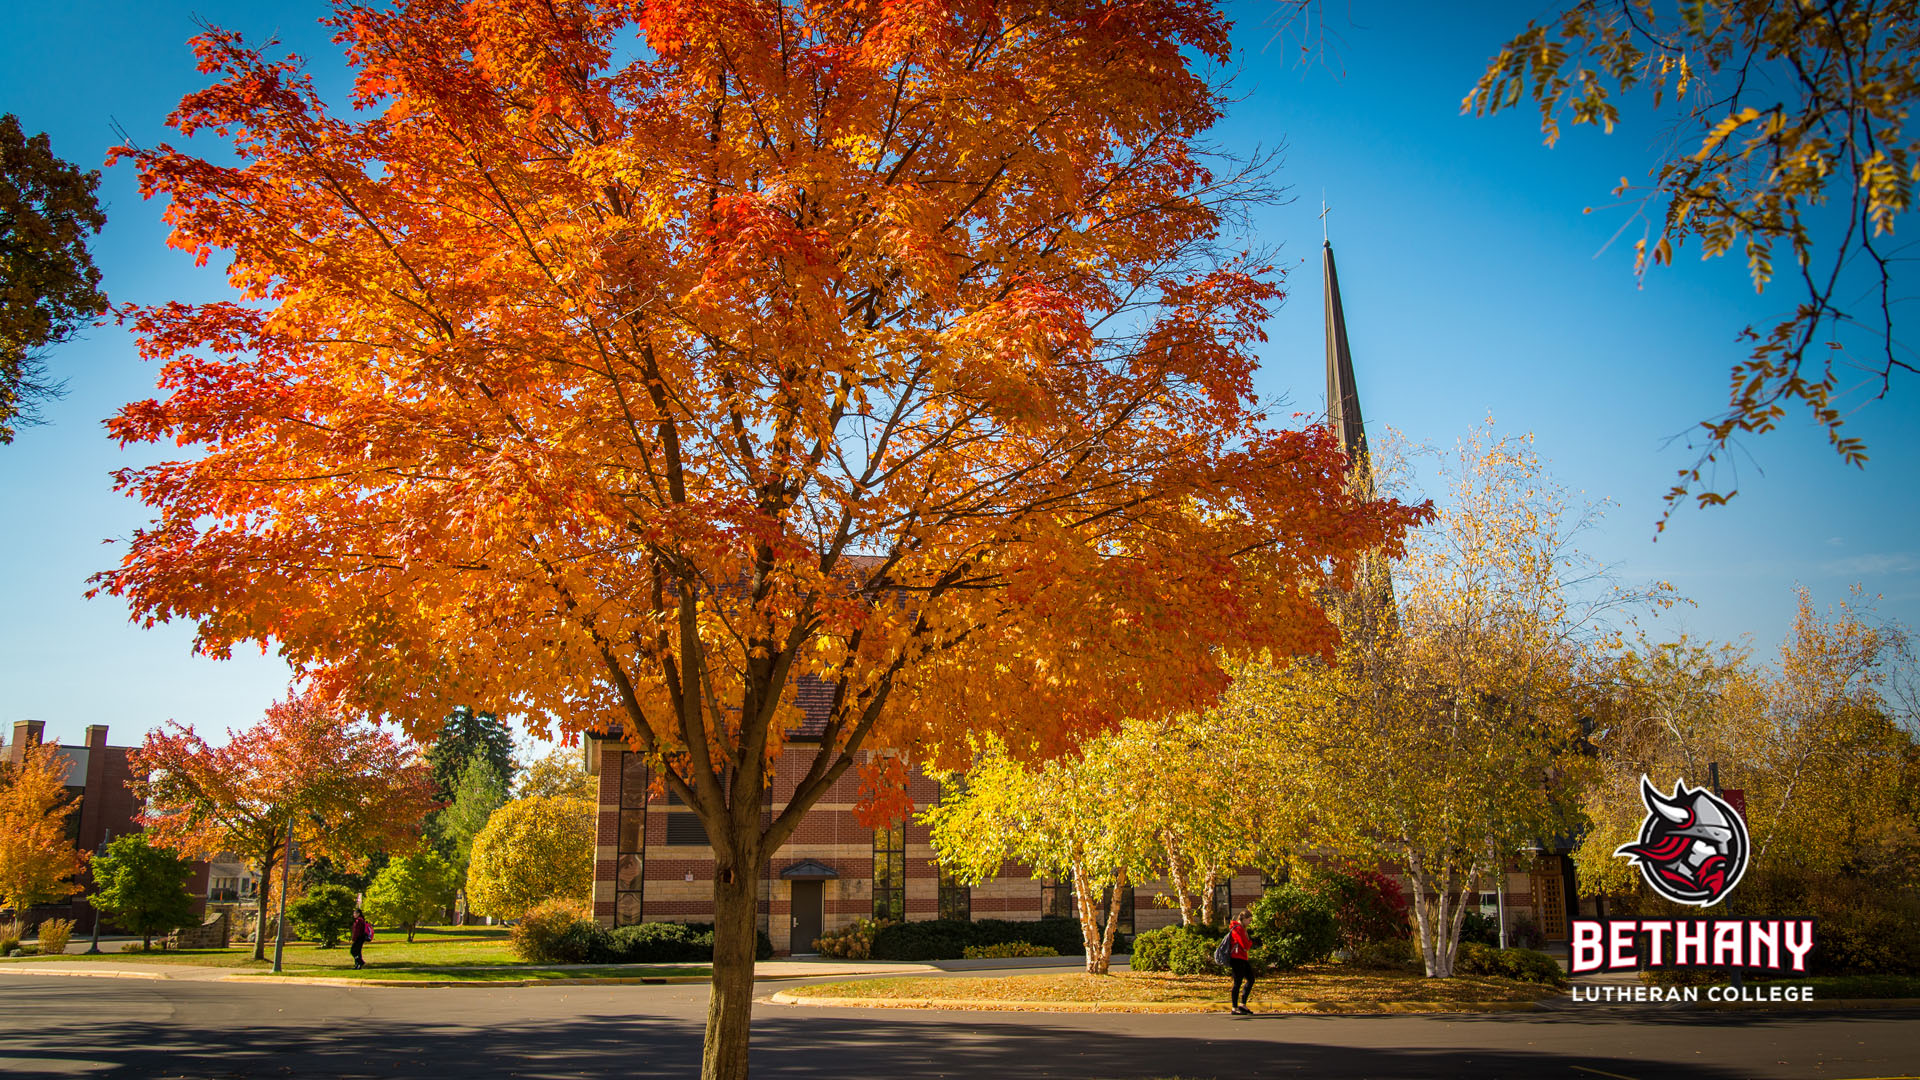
<point x="1480" y="929"/>
<point x="1391" y="955"/>
<point x="323" y="914"/>
<point x="1007" y="949"/>
<point x="948" y="939"/>
<point x="54" y="934"/>
<point x="1524" y="933"/>
<point x="536" y="938"/>
<point x="1526" y="965"/>
<point x="1292" y="925"/>
<point x="659" y="943"/>
<point x="584" y="942"/>
<point x="1192" y="953"/>
<point x="10" y="935"/>
<point x="936" y="939"/>
<point x="1056" y="932"/>
<point x="1178" y="950"/>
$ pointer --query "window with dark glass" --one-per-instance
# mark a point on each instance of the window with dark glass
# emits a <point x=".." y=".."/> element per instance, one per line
<point x="890" y="871"/>
<point x="683" y="826"/>
<point x="956" y="899"/>
<point x="1223" y="901"/>
<point x="1056" y="899"/>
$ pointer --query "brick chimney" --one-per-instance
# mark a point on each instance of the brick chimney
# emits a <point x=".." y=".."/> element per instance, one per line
<point x="97" y="735"/>
<point x="25" y="733"/>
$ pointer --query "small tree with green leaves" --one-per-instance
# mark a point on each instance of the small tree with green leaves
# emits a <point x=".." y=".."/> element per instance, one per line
<point x="323" y="914"/>
<point x="143" y="888"/>
<point x="410" y="889"/>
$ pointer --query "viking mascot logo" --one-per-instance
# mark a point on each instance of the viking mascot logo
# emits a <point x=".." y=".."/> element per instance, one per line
<point x="1693" y="845"/>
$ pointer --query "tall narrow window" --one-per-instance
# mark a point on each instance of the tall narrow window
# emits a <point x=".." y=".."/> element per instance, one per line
<point x="1223" y="901"/>
<point x="630" y="784"/>
<point x="890" y="872"/>
<point x="1056" y="900"/>
<point x="956" y="899"/>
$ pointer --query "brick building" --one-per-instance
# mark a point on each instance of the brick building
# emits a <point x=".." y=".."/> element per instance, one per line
<point x="652" y="862"/>
<point x="98" y="775"/>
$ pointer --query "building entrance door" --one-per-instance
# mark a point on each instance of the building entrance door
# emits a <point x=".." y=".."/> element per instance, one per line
<point x="806" y="916"/>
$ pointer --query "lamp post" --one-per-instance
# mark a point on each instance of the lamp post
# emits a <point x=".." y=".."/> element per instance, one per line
<point x="286" y="875"/>
<point x="94" y="901"/>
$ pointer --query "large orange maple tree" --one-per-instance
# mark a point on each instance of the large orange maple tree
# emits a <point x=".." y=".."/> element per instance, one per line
<point x="334" y="787"/>
<point x="621" y="364"/>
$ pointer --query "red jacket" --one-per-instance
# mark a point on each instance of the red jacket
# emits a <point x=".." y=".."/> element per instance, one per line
<point x="1241" y="942"/>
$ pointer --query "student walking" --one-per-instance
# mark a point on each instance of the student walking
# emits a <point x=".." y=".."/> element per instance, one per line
<point x="358" y="937"/>
<point x="1239" y="946"/>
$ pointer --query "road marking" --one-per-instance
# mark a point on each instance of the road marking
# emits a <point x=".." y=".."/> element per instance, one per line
<point x="1602" y="1072"/>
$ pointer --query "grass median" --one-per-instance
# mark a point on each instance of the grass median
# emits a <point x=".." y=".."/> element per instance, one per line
<point x="1315" y="989"/>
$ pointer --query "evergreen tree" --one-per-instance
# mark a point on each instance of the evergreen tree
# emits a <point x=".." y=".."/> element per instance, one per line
<point x="463" y="734"/>
<point x="481" y="790"/>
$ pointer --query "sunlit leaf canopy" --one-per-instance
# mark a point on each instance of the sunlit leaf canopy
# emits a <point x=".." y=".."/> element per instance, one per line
<point x="621" y="365"/>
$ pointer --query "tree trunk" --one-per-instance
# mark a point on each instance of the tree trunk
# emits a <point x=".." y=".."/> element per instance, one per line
<point x="1207" y="882"/>
<point x="736" y="901"/>
<point x="1177" y="877"/>
<point x="1090" y="936"/>
<point x="1422" y="912"/>
<point x="1440" y="910"/>
<point x="260" y="909"/>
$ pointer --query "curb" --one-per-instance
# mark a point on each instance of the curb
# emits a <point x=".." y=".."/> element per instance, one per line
<point x="609" y="980"/>
<point x="786" y="997"/>
<point x="270" y="979"/>
<point x="25" y="970"/>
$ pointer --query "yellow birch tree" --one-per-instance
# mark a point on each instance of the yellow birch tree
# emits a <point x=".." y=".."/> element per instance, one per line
<point x="1444" y="734"/>
<point x="37" y="861"/>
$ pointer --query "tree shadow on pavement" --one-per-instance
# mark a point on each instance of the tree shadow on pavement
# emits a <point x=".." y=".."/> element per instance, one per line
<point x="127" y="1030"/>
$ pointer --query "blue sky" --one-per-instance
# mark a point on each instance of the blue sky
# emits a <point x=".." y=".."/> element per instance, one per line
<point x="1473" y="285"/>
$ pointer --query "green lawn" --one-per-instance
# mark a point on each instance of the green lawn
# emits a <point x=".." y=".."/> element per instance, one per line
<point x="468" y="953"/>
<point x="1311" y="989"/>
<point x="436" y="946"/>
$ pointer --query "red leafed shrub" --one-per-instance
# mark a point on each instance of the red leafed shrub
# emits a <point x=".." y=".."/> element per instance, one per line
<point x="1367" y="905"/>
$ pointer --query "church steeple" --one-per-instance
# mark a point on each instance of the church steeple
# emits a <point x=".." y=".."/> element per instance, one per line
<point x="1343" y="397"/>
